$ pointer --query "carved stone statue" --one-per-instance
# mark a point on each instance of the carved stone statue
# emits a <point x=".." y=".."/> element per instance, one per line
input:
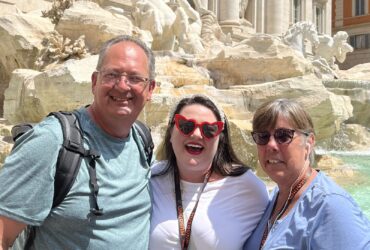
<point x="168" y="27"/>
<point x="331" y="48"/>
<point x="157" y="17"/>
<point x="298" y="33"/>
<point x="211" y="31"/>
<point x="187" y="28"/>
<point x="243" y="5"/>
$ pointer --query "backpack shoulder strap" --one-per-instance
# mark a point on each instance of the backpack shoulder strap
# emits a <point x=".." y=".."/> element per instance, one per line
<point x="69" y="159"/>
<point x="146" y="136"/>
<point x="70" y="155"/>
<point x="68" y="162"/>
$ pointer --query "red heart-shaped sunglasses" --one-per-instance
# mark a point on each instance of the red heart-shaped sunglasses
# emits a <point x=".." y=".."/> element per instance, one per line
<point x="188" y="126"/>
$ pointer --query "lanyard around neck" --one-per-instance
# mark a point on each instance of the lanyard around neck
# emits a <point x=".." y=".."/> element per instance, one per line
<point x="185" y="234"/>
<point x="293" y="191"/>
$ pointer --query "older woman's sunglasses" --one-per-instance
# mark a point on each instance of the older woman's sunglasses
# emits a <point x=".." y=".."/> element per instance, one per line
<point x="188" y="126"/>
<point x="281" y="136"/>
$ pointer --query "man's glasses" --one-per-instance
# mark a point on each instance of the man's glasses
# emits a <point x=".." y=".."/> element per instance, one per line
<point x="188" y="126"/>
<point x="112" y="78"/>
<point x="281" y="136"/>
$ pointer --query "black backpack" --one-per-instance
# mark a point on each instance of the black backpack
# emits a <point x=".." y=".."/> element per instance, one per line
<point x="69" y="159"/>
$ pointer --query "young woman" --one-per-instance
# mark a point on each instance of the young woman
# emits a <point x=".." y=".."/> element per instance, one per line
<point x="203" y="196"/>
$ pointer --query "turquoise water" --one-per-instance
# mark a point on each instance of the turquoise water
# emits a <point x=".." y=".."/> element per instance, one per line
<point x="358" y="187"/>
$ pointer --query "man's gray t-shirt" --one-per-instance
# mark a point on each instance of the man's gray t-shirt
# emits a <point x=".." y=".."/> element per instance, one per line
<point x="27" y="188"/>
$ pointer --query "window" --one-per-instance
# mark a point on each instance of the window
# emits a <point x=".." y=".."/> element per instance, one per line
<point x="360" y="7"/>
<point x="361" y="41"/>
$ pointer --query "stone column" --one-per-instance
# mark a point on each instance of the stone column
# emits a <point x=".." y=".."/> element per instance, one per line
<point x="307" y="8"/>
<point x="229" y="15"/>
<point x="328" y="17"/>
<point x="229" y="10"/>
<point x="274" y="16"/>
<point x="260" y="16"/>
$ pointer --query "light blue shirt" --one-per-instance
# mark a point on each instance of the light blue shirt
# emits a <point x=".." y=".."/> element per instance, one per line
<point x="27" y="188"/>
<point x="324" y="217"/>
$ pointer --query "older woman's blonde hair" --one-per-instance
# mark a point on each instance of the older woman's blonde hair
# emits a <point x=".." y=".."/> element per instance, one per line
<point x="266" y="116"/>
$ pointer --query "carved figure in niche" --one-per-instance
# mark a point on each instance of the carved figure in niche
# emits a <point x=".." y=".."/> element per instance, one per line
<point x="157" y="17"/>
<point x="58" y="49"/>
<point x="298" y="33"/>
<point x="243" y="5"/>
<point x="331" y="48"/>
<point x="187" y="28"/>
<point x="212" y="33"/>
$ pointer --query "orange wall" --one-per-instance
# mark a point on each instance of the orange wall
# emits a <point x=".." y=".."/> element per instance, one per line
<point x="349" y="19"/>
<point x="347" y="9"/>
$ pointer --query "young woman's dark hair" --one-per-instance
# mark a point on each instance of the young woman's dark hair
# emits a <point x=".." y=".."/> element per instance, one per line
<point x="225" y="161"/>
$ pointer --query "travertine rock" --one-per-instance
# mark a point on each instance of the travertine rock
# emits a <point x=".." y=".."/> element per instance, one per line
<point x="98" y="25"/>
<point x="327" y="110"/>
<point x="350" y="137"/>
<point x="359" y="93"/>
<point x="358" y="72"/>
<point x="21" y="36"/>
<point x="176" y="72"/>
<point x="260" y="58"/>
<point x="17" y="6"/>
<point x="64" y="88"/>
<point x="20" y="104"/>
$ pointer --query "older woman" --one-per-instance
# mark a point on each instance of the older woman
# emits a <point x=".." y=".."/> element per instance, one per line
<point x="308" y="210"/>
<point x="203" y="196"/>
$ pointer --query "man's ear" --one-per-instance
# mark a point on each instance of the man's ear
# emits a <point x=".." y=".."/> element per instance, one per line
<point x="151" y="89"/>
<point x="152" y="85"/>
<point x="94" y="80"/>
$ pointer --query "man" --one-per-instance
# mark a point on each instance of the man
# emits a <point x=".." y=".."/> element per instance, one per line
<point x="122" y="83"/>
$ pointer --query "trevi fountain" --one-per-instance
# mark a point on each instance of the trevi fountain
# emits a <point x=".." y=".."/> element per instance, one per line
<point x="47" y="56"/>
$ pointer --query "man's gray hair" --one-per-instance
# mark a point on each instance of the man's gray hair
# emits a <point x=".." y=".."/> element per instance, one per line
<point x="127" y="38"/>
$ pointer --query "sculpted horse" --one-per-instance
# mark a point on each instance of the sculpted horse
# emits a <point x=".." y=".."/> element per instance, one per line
<point x="298" y="33"/>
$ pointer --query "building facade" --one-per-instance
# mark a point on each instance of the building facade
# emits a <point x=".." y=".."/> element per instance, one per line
<point x="271" y="16"/>
<point x="353" y="16"/>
